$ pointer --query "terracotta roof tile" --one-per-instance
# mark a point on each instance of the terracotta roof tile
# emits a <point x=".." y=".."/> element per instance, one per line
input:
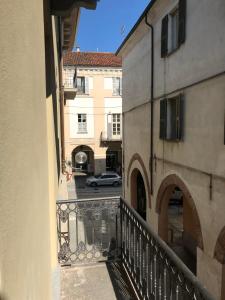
<point x="93" y="59"/>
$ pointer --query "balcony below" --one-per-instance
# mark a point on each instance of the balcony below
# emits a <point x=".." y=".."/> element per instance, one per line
<point x="70" y="92"/>
<point x="107" y="251"/>
<point x="110" y="137"/>
<point x="96" y="281"/>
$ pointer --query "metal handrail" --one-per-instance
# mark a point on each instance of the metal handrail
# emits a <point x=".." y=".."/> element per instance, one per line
<point x="87" y="199"/>
<point x="176" y="261"/>
<point x="155" y="270"/>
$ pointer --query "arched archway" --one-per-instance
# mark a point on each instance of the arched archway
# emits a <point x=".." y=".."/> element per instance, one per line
<point x="138" y="193"/>
<point x="178" y="218"/>
<point x="137" y="158"/>
<point x="88" y="164"/>
<point x="219" y="254"/>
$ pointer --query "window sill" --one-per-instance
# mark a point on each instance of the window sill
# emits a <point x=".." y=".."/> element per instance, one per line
<point x="83" y="132"/>
<point x="172" y="51"/>
<point x="171" y="140"/>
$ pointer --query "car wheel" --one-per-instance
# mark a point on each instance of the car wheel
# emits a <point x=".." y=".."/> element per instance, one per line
<point x="93" y="184"/>
<point x="115" y="183"/>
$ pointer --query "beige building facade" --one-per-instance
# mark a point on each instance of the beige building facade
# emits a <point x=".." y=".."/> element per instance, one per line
<point x="32" y="174"/>
<point x="173" y="129"/>
<point x="93" y="119"/>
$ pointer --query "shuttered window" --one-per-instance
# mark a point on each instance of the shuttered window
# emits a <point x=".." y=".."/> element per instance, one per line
<point x="173" y="29"/>
<point x="82" y="84"/>
<point x="117" y="86"/>
<point x="171" y="118"/>
<point x="82" y="123"/>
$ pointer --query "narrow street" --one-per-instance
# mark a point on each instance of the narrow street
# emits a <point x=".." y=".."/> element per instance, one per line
<point x="79" y="190"/>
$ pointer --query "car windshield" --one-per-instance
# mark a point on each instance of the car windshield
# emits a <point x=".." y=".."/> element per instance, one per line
<point x="97" y="176"/>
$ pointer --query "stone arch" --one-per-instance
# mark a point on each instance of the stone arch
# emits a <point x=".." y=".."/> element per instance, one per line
<point x="89" y="166"/>
<point x="164" y="193"/>
<point x="137" y="157"/>
<point x="219" y="252"/>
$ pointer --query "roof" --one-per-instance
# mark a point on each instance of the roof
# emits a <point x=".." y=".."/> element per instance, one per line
<point x="149" y="6"/>
<point x="92" y="59"/>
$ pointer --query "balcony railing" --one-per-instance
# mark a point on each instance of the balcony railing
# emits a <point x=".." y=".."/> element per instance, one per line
<point x="70" y="91"/>
<point x="109" y="136"/>
<point x="109" y="229"/>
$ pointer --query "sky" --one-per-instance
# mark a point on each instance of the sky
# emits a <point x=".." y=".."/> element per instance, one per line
<point x="105" y="28"/>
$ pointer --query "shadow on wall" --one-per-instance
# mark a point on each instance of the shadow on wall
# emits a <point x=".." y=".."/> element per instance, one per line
<point x="3" y="297"/>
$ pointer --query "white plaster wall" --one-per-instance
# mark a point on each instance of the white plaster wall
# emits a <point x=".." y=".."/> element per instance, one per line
<point x="201" y="56"/>
<point x="136" y="75"/>
<point x="81" y="106"/>
<point x="203" y="50"/>
<point x="28" y="178"/>
<point x="108" y="84"/>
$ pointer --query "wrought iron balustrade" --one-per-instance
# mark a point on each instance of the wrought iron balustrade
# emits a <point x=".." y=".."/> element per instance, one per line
<point x="103" y="229"/>
<point x="88" y="230"/>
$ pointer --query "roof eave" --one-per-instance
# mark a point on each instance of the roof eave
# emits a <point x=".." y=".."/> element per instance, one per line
<point x="147" y="9"/>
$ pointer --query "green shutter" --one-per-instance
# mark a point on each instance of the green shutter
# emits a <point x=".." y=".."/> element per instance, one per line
<point x="180" y="117"/>
<point x="163" y="119"/>
<point x="164" y="36"/>
<point x="182" y="22"/>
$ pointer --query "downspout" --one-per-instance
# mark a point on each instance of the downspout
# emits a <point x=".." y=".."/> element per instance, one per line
<point x="151" y="103"/>
<point x="61" y="97"/>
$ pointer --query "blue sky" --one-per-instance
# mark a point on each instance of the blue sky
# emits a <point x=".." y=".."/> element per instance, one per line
<point x="105" y="28"/>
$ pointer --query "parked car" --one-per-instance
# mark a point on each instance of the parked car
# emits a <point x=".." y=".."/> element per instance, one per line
<point x="109" y="178"/>
<point x="176" y="197"/>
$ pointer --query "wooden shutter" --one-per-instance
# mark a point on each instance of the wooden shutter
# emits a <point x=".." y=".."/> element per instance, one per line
<point x="182" y="22"/>
<point x="164" y="36"/>
<point x="120" y="86"/>
<point x="75" y="78"/>
<point x="86" y="85"/>
<point x="180" y="117"/>
<point x="114" y="85"/>
<point x="163" y="119"/>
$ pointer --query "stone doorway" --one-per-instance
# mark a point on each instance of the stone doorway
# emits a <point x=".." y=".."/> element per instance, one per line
<point x="138" y="193"/>
<point x="87" y="165"/>
<point x="179" y="224"/>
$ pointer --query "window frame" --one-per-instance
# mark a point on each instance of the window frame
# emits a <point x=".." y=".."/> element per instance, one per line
<point x="168" y="119"/>
<point x="117" y="124"/>
<point x="117" y="91"/>
<point x="82" y="123"/>
<point x="81" y="89"/>
<point x="167" y="30"/>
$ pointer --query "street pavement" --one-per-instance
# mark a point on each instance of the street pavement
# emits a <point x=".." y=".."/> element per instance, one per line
<point x="77" y="189"/>
<point x="84" y="191"/>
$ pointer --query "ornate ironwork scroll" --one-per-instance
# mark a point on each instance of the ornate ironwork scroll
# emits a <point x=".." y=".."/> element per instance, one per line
<point x="88" y="230"/>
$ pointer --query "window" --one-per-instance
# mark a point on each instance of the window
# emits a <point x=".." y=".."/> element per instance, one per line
<point x="82" y="85"/>
<point x="117" y="86"/>
<point x="82" y="123"/>
<point x="171" y="118"/>
<point x="69" y="75"/>
<point x="173" y="29"/>
<point x="116" y="124"/>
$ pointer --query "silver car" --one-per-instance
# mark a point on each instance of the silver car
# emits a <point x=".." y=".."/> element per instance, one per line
<point x="111" y="178"/>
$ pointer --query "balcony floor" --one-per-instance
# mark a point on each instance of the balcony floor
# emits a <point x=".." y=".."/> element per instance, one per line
<point x="105" y="281"/>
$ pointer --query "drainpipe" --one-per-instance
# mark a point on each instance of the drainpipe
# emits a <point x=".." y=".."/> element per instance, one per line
<point x="61" y="97"/>
<point x="152" y="102"/>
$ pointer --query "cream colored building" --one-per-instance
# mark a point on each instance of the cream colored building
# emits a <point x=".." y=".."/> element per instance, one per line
<point x="93" y="118"/>
<point x="32" y="37"/>
<point x="173" y="129"/>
